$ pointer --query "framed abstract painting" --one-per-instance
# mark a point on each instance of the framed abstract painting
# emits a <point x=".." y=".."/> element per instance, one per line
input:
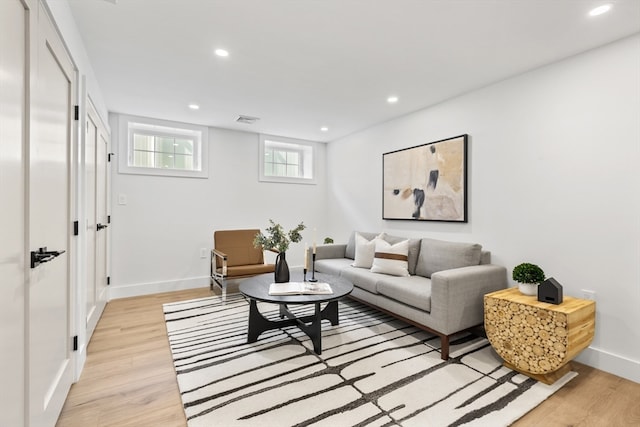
<point x="427" y="182"/>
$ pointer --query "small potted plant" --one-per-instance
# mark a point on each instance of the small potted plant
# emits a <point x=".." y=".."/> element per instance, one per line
<point x="278" y="240"/>
<point x="528" y="277"/>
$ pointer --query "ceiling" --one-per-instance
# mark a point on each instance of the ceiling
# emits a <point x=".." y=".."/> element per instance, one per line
<point x="299" y="65"/>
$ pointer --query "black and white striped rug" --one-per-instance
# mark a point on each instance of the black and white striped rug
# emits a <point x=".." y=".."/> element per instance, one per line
<point x="373" y="371"/>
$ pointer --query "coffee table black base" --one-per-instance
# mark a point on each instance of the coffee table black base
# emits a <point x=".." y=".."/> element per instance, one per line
<point x="310" y="325"/>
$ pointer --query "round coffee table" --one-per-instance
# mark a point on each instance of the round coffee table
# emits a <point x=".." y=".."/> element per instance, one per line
<point x="257" y="289"/>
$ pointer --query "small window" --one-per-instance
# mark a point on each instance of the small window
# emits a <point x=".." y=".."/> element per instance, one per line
<point x="162" y="151"/>
<point x="286" y="160"/>
<point x="158" y="147"/>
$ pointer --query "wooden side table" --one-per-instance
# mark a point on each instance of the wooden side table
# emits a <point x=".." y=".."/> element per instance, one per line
<point x="536" y="338"/>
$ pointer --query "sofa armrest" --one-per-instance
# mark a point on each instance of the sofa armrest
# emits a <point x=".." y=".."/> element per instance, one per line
<point x="330" y="251"/>
<point x="457" y="295"/>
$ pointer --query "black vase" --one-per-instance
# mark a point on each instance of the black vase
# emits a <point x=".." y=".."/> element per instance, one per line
<point x="282" y="268"/>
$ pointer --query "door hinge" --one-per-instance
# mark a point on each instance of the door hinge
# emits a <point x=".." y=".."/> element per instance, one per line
<point x="76" y="228"/>
<point x="75" y="343"/>
<point x="108" y="280"/>
<point x="76" y="112"/>
<point x="109" y="156"/>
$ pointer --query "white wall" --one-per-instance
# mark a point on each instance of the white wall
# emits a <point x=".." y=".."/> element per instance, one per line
<point x="158" y="234"/>
<point x="553" y="180"/>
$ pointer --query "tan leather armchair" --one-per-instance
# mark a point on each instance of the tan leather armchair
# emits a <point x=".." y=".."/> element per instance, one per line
<point x="235" y="257"/>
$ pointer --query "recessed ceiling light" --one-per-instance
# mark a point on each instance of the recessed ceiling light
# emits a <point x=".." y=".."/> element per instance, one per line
<point x="324" y="129"/>
<point x="392" y="99"/>
<point x="600" y="10"/>
<point x="221" y="52"/>
<point x="194" y="106"/>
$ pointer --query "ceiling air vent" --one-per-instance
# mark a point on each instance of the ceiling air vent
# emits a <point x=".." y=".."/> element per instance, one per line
<point x="247" y="119"/>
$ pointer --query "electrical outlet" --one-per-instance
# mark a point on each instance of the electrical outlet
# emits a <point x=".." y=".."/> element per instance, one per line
<point x="587" y="294"/>
<point x="203" y="252"/>
<point x="122" y="199"/>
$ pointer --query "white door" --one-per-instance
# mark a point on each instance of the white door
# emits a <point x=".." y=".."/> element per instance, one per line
<point x="50" y="367"/>
<point x="14" y="43"/>
<point x="96" y="209"/>
<point x="102" y="172"/>
<point x="90" y="206"/>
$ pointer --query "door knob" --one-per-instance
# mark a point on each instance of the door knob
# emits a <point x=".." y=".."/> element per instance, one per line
<point x="101" y="226"/>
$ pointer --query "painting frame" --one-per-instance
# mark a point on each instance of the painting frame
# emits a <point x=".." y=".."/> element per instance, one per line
<point x="426" y="182"/>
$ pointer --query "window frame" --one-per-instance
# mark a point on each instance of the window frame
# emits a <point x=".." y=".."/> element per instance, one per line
<point x="128" y="125"/>
<point x="305" y="148"/>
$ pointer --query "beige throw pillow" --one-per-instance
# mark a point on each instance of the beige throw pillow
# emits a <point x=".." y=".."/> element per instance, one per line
<point x="391" y="259"/>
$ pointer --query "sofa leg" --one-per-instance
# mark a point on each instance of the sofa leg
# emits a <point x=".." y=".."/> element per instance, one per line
<point x="444" y="347"/>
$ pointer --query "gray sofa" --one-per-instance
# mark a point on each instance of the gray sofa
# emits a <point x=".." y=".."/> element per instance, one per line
<point x="442" y="293"/>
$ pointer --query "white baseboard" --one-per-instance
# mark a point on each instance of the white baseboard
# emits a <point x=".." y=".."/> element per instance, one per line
<point x="137" y="289"/>
<point x="612" y="363"/>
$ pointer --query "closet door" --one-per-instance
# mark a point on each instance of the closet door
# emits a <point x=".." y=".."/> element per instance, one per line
<point x="102" y="179"/>
<point x="14" y="43"/>
<point x="96" y="143"/>
<point x="50" y="345"/>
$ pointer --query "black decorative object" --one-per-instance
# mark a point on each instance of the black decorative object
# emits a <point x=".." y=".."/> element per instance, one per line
<point x="282" y="268"/>
<point x="313" y="268"/>
<point x="550" y="291"/>
<point x="42" y="255"/>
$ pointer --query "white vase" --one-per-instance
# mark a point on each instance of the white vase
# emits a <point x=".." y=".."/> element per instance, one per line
<point x="528" y="288"/>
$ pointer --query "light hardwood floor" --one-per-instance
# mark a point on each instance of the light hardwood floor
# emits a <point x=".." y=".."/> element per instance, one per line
<point x="129" y="380"/>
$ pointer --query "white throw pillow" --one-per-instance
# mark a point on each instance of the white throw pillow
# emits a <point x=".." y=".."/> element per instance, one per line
<point x="365" y="250"/>
<point x="391" y="259"/>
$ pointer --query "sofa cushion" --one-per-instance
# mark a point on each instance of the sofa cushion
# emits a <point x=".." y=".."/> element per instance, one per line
<point x="391" y="259"/>
<point x="350" y="251"/>
<point x="411" y="290"/>
<point x="331" y="266"/>
<point x="437" y="255"/>
<point x="485" y="257"/>
<point x="365" y="250"/>
<point x="361" y="278"/>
